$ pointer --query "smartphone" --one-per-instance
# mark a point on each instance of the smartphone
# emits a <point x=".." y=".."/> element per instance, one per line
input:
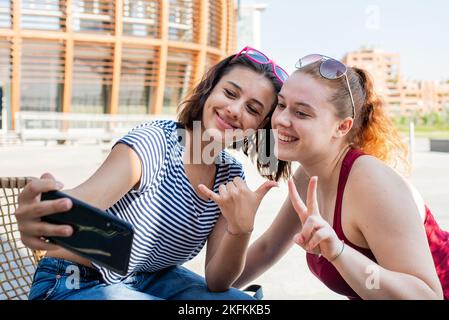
<point x="98" y="236"/>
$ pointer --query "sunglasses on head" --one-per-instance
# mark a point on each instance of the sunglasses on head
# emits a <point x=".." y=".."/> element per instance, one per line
<point x="330" y="68"/>
<point x="258" y="57"/>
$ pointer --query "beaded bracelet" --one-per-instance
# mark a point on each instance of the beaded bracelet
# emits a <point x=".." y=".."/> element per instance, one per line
<point x="339" y="253"/>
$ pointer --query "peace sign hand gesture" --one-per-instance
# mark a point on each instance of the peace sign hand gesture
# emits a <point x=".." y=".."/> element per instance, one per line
<point x="316" y="236"/>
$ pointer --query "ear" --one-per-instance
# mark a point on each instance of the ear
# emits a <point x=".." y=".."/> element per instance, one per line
<point x="344" y="127"/>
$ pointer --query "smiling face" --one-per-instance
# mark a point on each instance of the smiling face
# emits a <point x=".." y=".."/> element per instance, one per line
<point x="241" y="100"/>
<point x="305" y="119"/>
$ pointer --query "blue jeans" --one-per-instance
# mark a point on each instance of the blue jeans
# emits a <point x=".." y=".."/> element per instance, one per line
<point x="58" y="279"/>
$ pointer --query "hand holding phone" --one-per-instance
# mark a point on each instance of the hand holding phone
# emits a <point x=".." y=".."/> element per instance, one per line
<point x="97" y="235"/>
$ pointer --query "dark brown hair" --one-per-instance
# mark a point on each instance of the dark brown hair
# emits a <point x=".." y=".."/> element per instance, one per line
<point x="373" y="131"/>
<point x="191" y="109"/>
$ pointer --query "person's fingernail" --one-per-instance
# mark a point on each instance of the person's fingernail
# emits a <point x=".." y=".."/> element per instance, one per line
<point x="68" y="231"/>
<point x="65" y="204"/>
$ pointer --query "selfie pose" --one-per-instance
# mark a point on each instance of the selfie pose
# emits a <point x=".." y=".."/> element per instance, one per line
<point x="150" y="180"/>
<point x="367" y="232"/>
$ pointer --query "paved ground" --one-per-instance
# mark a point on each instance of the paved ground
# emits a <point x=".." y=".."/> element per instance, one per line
<point x="290" y="278"/>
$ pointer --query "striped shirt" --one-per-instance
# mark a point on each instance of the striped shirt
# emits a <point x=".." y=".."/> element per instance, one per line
<point x="171" y="222"/>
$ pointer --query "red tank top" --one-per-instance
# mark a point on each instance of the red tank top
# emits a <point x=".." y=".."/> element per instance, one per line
<point x="328" y="274"/>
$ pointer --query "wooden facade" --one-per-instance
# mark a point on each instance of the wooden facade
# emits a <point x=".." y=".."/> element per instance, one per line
<point x="108" y="56"/>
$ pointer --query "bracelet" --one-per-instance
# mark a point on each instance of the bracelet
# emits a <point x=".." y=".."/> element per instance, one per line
<point x="339" y="253"/>
<point x="239" y="234"/>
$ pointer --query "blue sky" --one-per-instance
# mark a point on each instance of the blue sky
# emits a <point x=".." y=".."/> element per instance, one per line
<point x="417" y="29"/>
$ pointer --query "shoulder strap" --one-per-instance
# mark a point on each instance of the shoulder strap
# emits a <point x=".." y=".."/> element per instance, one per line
<point x="346" y="166"/>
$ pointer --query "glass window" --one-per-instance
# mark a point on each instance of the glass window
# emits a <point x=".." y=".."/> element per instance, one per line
<point x="5" y="78"/>
<point x="93" y="16"/>
<point x="179" y="78"/>
<point x="214" y="23"/>
<point x="42" y="75"/>
<point x="43" y="14"/>
<point x="138" y="79"/>
<point x="183" y="20"/>
<point x="92" y="77"/>
<point x="5" y="14"/>
<point x="141" y="18"/>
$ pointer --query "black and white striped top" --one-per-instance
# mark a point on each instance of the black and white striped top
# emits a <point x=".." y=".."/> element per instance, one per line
<point x="171" y="222"/>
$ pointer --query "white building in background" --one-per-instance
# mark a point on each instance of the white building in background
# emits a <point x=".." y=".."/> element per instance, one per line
<point x="249" y="23"/>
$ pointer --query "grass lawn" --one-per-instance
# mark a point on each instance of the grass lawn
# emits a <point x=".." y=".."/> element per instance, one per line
<point x="427" y="134"/>
<point x="432" y="134"/>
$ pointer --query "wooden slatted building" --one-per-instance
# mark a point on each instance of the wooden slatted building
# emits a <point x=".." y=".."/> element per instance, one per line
<point x="108" y="56"/>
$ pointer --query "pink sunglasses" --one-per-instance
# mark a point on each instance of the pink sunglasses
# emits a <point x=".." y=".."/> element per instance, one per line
<point x="260" y="58"/>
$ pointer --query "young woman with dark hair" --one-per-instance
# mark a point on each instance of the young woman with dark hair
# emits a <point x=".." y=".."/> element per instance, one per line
<point x="150" y="181"/>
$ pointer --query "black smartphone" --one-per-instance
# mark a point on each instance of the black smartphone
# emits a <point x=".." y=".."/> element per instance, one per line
<point x="98" y="236"/>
